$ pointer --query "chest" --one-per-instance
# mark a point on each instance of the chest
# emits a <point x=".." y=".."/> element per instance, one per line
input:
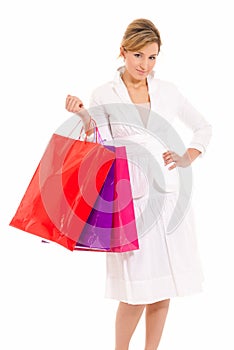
<point x="120" y="104"/>
<point x="139" y="95"/>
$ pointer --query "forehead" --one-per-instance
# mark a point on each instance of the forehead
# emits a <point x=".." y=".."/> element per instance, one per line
<point x="149" y="49"/>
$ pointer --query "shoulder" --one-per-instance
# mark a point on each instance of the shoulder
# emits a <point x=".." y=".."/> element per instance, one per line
<point x="167" y="91"/>
<point x="165" y="85"/>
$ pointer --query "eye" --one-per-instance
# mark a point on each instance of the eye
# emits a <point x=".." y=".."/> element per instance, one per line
<point x="152" y="58"/>
<point x="137" y="55"/>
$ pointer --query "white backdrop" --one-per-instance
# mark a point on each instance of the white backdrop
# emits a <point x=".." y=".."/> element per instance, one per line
<point x="51" y="298"/>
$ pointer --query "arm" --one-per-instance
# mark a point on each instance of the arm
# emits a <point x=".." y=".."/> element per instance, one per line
<point x="200" y="128"/>
<point x="182" y="161"/>
<point x="95" y="114"/>
<point x="195" y="121"/>
<point x="75" y="105"/>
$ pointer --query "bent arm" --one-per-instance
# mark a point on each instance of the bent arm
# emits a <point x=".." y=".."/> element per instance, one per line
<point x="99" y="114"/>
<point x="202" y="130"/>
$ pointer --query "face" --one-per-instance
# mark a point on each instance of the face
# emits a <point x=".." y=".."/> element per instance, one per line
<point x="140" y="63"/>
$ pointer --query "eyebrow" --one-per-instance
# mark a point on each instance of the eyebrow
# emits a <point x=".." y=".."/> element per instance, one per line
<point x="153" y="54"/>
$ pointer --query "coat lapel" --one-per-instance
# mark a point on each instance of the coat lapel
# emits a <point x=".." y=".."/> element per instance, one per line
<point x="152" y="86"/>
<point x="122" y="92"/>
<point x="120" y="88"/>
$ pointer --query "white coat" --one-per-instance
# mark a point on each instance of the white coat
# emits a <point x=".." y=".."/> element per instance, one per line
<point x="167" y="263"/>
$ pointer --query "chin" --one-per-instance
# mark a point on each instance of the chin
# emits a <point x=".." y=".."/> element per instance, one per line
<point x="139" y="76"/>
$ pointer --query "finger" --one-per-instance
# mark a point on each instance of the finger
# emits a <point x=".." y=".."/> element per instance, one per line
<point x="169" y="162"/>
<point x="69" y="104"/>
<point x="73" y="99"/>
<point x="171" y="157"/>
<point x="77" y="106"/>
<point x="68" y="101"/>
<point x="167" y="157"/>
<point x="68" y="97"/>
<point x="172" y="166"/>
<point x="78" y="102"/>
<point x="74" y="105"/>
<point x="166" y="153"/>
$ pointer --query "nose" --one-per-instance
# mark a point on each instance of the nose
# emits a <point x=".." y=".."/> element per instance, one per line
<point x="144" y="64"/>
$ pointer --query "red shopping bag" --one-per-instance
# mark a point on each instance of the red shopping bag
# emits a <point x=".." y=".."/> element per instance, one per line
<point x="63" y="190"/>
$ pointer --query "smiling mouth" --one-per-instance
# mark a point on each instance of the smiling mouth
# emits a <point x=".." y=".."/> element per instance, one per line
<point x="141" y="71"/>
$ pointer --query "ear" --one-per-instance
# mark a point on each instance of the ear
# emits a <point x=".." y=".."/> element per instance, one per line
<point x="122" y="52"/>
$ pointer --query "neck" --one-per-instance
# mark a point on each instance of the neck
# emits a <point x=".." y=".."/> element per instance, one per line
<point x="129" y="81"/>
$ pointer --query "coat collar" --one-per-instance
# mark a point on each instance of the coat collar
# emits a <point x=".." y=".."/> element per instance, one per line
<point x="121" y="89"/>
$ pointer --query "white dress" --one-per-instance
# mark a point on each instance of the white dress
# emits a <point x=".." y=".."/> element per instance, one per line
<point x="167" y="263"/>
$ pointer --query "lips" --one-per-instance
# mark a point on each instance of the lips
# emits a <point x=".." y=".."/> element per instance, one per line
<point x="141" y="71"/>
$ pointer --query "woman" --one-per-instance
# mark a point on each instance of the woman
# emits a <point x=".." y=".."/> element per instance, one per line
<point x="138" y="110"/>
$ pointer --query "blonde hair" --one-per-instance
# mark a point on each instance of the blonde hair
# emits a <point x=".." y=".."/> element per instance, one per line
<point x="139" y="33"/>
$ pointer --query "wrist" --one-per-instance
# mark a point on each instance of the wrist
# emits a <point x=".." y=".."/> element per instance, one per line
<point x="186" y="159"/>
<point x="193" y="153"/>
<point x="84" y="116"/>
<point x="87" y="121"/>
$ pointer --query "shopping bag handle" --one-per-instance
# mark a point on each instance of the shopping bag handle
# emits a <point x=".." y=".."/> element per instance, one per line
<point x="97" y="135"/>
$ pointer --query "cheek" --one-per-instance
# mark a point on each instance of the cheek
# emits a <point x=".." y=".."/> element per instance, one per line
<point x="152" y="63"/>
<point x="130" y="62"/>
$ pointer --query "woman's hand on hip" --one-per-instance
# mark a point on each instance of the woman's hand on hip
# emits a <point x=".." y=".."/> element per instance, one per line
<point x="172" y="157"/>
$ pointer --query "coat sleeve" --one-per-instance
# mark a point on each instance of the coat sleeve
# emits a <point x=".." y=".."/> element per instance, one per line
<point x="195" y="121"/>
<point x="98" y="112"/>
